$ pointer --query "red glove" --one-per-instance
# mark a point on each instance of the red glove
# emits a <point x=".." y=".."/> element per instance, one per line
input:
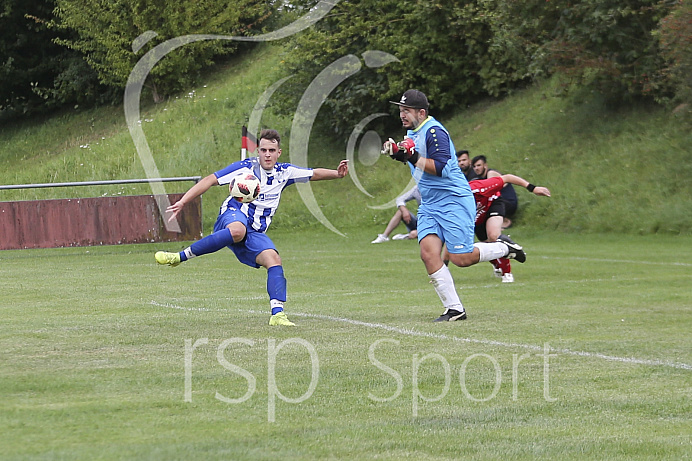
<point x="408" y="147"/>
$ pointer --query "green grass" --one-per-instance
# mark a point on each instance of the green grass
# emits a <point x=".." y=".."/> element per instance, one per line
<point x="94" y="341"/>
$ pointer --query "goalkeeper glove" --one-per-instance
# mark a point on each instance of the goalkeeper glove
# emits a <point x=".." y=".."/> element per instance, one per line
<point x="402" y="152"/>
<point x="408" y="146"/>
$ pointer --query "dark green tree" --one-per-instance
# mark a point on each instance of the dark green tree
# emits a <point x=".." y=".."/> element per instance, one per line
<point x="446" y="48"/>
<point x="460" y="52"/>
<point x="36" y="74"/>
<point x="606" y="44"/>
<point x="105" y="31"/>
<point x="675" y="38"/>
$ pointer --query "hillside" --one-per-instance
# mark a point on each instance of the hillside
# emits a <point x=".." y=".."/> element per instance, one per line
<point x="610" y="170"/>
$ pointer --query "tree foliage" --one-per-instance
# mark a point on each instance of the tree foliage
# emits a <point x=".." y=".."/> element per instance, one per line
<point x="446" y="49"/>
<point x="106" y="30"/>
<point x="459" y="52"/>
<point x="675" y="37"/>
<point x="607" y="44"/>
<point x="35" y="73"/>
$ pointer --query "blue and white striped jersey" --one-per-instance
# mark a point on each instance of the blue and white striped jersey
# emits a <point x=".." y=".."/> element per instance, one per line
<point x="272" y="184"/>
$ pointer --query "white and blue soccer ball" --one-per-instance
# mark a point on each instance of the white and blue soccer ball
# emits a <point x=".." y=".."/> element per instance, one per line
<point x="245" y="188"/>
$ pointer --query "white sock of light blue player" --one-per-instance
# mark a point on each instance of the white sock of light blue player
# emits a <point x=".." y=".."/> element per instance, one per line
<point x="444" y="286"/>
<point x="276" y="288"/>
<point x="490" y="251"/>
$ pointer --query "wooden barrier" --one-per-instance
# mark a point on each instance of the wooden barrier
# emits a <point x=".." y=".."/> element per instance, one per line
<point x="93" y="221"/>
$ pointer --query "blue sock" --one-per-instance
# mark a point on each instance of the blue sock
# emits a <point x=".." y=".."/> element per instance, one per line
<point x="276" y="286"/>
<point x="210" y="243"/>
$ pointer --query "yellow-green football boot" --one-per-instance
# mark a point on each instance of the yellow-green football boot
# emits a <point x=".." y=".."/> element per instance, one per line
<point x="280" y="319"/>
<point x="171" y="259"/>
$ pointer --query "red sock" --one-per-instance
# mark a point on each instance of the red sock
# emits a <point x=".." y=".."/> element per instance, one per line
<point x="496" y="263"/>
<point x="505" y="266"/>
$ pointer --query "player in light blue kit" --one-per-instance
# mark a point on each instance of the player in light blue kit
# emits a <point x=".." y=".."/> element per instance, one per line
<point x="447" y="212"/>
<point x="242" y="226"/>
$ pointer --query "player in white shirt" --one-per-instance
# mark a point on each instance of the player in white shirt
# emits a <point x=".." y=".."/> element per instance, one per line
<point x="402" y="214"/>
<point x="242" y="226"/>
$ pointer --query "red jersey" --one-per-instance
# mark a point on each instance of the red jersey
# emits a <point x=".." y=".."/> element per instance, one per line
<point x="485" y="191"/>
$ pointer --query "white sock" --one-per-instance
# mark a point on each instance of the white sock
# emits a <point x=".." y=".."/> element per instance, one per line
<point x="275" y="303"/>
<point x="444" y="286"/>
<point x="490" y="251"/>
<point x="188" y="253"/>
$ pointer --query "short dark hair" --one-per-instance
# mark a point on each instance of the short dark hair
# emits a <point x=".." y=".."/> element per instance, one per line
<point x="477" y="158"/>
<point x="271" y="135"/>
<point x="462" y="152"/>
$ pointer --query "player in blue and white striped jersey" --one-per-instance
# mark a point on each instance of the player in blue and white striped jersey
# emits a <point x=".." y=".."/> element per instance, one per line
<point x="242" y="226"/>
<point x="272" y="182"/>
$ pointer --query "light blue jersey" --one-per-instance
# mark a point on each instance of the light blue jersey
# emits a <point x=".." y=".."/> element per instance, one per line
<point x="447" y="208"/>
<point x="433" y="141"/>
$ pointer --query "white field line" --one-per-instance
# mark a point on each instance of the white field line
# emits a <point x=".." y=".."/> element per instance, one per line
<point x="181" y="308"/>
<point x="425" y="334"/>
<point x="489" y="342"/>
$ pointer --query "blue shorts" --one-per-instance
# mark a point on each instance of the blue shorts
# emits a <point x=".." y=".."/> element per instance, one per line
<point x="453" y="222"/>
<point x="254" y="242"/>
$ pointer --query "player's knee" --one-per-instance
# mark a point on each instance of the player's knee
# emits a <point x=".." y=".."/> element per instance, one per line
<point x="428" y="256"/>
<point x="269" y="258"/>
<point x="238" y="232"/>
<point x="463" y="259"/>
<point x="493" y="236"/>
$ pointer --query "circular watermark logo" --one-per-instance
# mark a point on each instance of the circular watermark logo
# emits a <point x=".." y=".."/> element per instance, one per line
<point x="314" y="96"/>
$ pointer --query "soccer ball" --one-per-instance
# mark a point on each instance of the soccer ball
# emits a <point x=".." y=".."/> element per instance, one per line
<point x="245" y="188"/>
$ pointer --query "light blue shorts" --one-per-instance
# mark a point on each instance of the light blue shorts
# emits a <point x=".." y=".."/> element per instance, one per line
<point x="453" y="223"/>
<point x="254" y="243"/>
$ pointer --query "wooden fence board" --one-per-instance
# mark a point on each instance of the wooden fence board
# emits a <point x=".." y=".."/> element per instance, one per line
<point x="93" y="221"/>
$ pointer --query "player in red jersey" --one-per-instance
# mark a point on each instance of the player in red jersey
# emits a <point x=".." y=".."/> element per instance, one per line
<point x="490" y="211"/>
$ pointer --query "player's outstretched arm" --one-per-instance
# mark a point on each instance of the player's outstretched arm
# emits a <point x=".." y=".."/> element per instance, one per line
<point x="195" y="191"/>
<point x="319" y="174"/>
<point x="516" y="180"/>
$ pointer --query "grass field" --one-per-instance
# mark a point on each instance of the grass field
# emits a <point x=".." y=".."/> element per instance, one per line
<point x="588" y="355"/>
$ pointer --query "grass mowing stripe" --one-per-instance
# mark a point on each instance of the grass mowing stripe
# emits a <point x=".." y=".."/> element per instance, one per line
<point x="459" y="285"/>
<point x="490" y="342"/>
<point x="487" y="342"/>
<point x="618" y="261"/>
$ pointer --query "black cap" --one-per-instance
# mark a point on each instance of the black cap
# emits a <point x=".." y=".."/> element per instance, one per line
<point x="413" y="98"/>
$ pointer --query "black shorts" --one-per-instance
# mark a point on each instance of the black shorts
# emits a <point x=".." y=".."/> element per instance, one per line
<point x="413" y="223"/>
<point x="510" y="208"/>
<point x="496" y="209"/>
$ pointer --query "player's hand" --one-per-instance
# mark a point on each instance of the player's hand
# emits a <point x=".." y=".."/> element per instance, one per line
<point x="389" y="148"/>
<point x="408" y="146"/>
<point x="405" y="214"/>
<point x="392" y="149"/>
<point x="174" y="210"/>
<point x="542" y="191"/>
<point x="342" y="169"/>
